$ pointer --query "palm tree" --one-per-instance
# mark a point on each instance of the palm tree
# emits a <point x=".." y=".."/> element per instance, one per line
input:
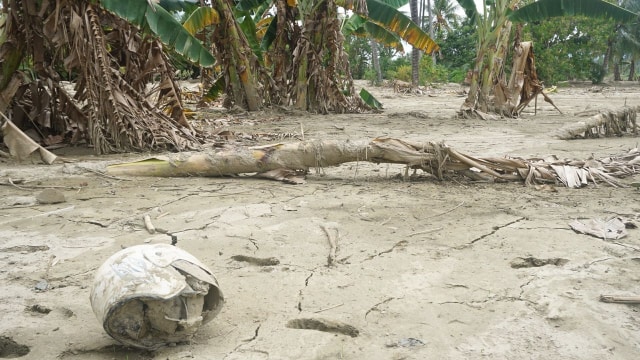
<point x="445" y="14"/>
<point x="630" y="38"/>
<point x="415" y="53"/>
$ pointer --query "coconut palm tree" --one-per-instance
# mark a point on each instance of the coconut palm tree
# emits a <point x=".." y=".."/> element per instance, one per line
<point x="445" y="15"/>
<point x="630" y="38"/>
<point x="415" y="53"/>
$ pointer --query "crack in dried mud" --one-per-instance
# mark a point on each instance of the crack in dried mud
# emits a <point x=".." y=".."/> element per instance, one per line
<point x="493" y="231"/>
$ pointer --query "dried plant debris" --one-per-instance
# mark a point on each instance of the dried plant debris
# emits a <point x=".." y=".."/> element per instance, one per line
<point x="110" y="109"/>
<point x="604" y="124"/>
<point x="612" y="229"/>
<point x="325" y="325"/>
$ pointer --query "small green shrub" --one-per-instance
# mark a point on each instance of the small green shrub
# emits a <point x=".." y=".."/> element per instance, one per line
<point x="403" y="73"/>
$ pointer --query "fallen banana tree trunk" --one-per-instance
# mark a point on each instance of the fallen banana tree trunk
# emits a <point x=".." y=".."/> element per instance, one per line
<point x="294" y="156"/>
<point x="605" y="124"/>
<point x="435" y="158"/>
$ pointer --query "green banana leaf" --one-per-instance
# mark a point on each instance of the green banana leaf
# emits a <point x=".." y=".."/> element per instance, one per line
<point x="384" y="36"/>
<point x="270" y="35"/>
<point x="178" y="5"/>
<point x="470" y="9"/>
<point x="353" y="23"/>
<point x="370" y="99"/>
<point x="163" y="25"/>
<point x="248" y="27"/>
<point x="200" y="19"/>
<point x="544" y="9"/>
<point x="395" y="21"/>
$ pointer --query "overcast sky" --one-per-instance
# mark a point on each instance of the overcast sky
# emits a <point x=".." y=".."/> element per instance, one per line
<point x="406" y="11"/>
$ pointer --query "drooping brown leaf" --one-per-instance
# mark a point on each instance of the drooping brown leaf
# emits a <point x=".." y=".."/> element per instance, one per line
<point x="21" y="146"/>
<point x="111" y="63"/>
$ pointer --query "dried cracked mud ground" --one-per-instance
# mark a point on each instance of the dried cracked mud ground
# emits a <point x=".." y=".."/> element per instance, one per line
<point x="425" y="269"/>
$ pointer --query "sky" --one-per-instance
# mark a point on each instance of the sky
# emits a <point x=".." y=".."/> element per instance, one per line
<point x="406" y="11"/>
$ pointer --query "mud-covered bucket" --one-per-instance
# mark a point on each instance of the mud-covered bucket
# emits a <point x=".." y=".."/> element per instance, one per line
<point x="148" y="296"/>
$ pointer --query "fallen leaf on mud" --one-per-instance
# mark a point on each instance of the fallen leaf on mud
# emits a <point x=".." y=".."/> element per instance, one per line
<point x="613" y="229"/>
<point x="42" y="285"/>
<point x="21" y="146"/>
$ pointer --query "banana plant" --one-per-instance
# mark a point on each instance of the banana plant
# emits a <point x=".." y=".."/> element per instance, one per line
<point x="494" y="28"/>
<point x="385" y="23"/>
<point x="150" y="14"/>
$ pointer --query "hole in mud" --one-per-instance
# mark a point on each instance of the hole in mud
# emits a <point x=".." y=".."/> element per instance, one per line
<point x="37" y="308"/>
<point x="528" y="262"/>
<point x="10" y="349"/>
<point x="324" y="325"/>
<point x="114" y="351"/>
<point x="25" y="248"/>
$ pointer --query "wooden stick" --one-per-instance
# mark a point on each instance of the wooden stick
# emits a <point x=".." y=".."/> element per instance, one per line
<point x="633" y="299"/>
<point x="331" y="259"/>
<point x="147" y="224"/>
<point x="425" y="231"/>
<point x="329" y="308"/>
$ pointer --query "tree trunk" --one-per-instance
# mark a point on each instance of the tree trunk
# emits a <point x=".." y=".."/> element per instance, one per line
<point x="375" y="59"/>
<point x="415" y="53"/>
<point x="632" y="69"/>
<point x="606" y="124"/>
<point x="605" y="63"/>
<point x="237" y="58"/>
<point x="488" y="72"/>
<point x="320" y="67"/>
<point x="616" y="72"/>
<point x="434" y="158"/>
<point x="287" y="33"/>
<point x="431" y="35"/>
